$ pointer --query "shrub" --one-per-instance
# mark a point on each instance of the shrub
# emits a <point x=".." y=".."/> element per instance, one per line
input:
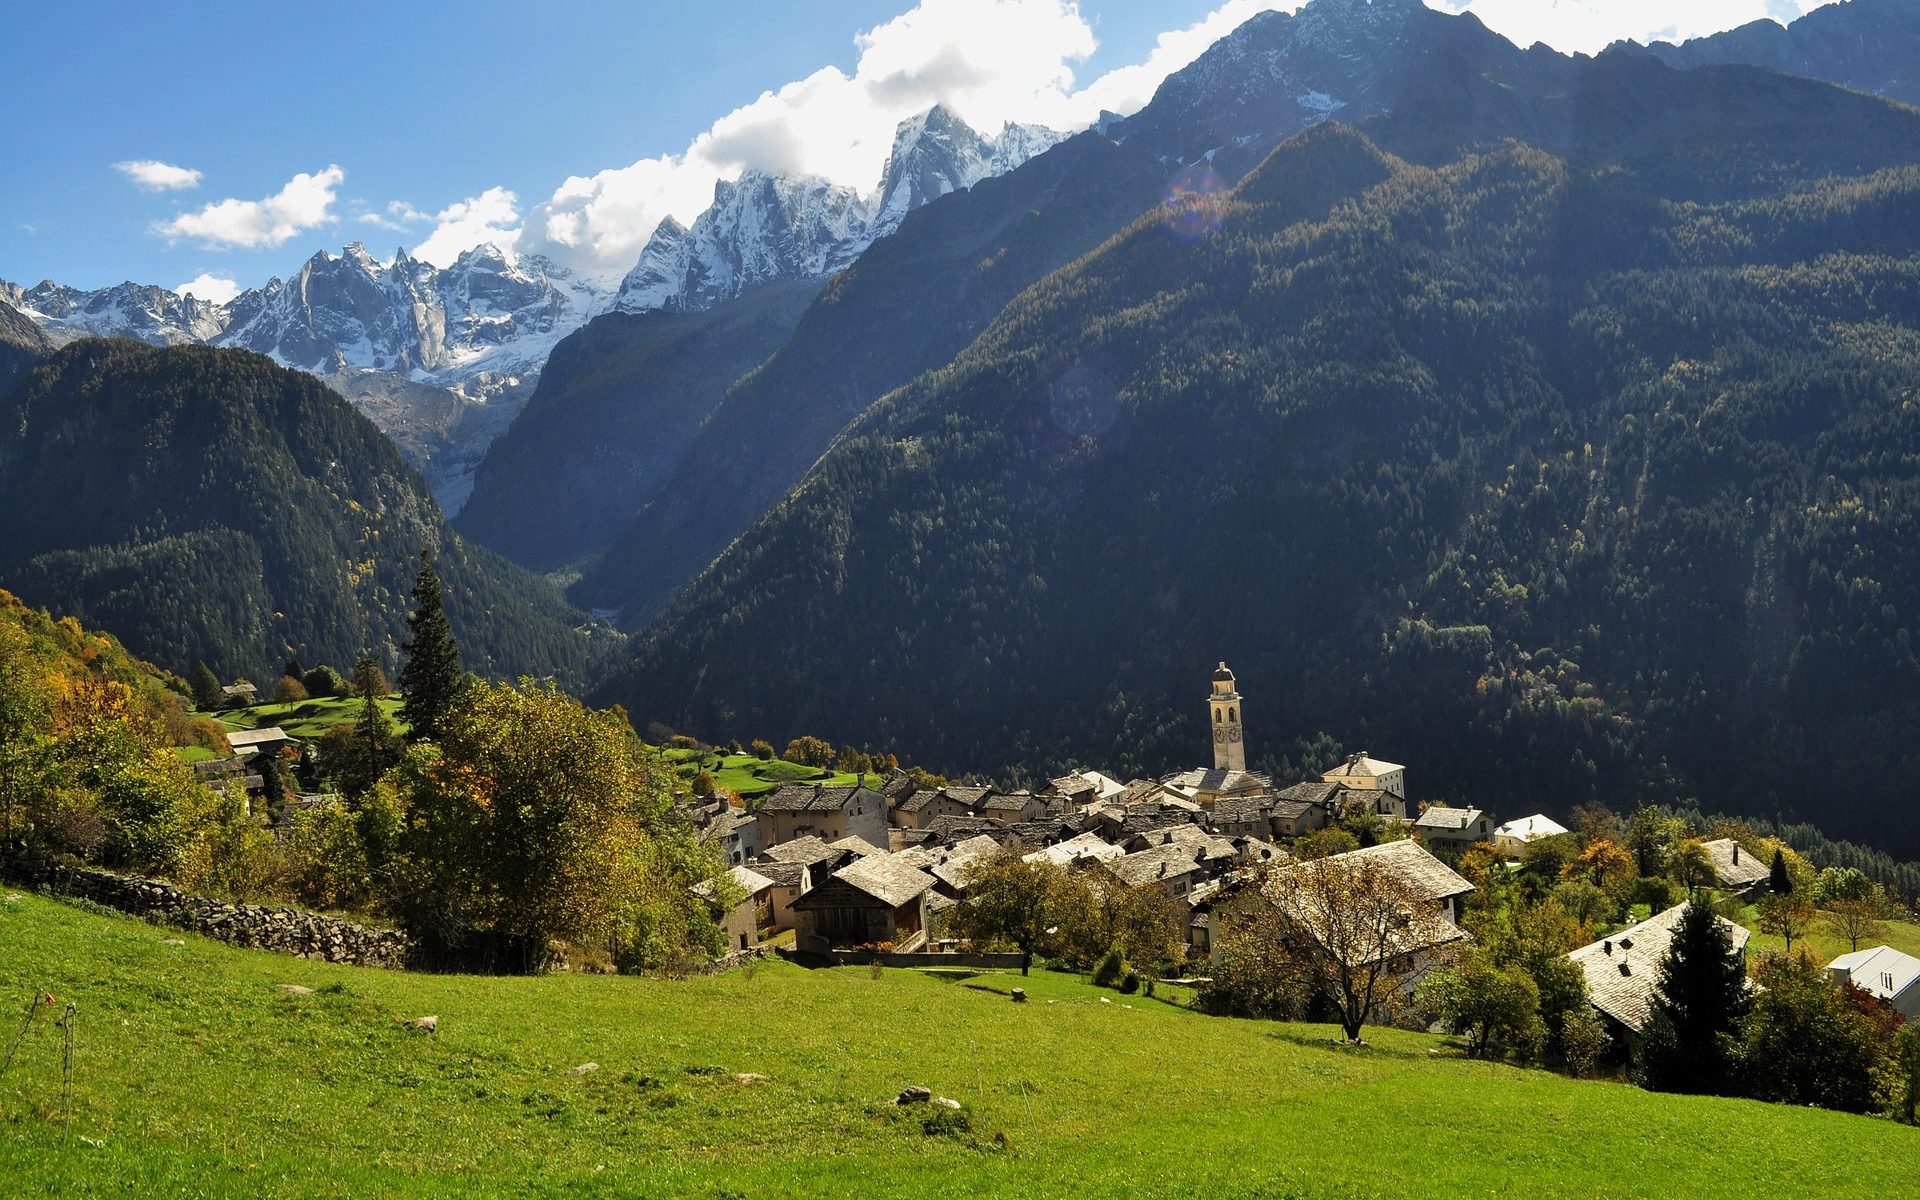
<point x="1111" y="967"/>
<point x="324" y="681"/>
<point x="703" y="784"/>
<point x="762" y="749"/>
<point x="1130" y="983"/>
<point x="1583" y="1039"/>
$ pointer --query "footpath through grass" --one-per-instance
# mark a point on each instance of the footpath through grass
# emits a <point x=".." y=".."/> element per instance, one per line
<point x="196" y="1075"/>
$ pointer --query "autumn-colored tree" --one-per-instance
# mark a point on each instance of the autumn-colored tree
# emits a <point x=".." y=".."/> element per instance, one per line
<point x="1857" y="920"/>
<point x="1360" y="930"/>
<point x="1010" y="900"/>
<point x="809" y="751"/>
<point x="1692" y="866"/>
<point x="545" y="823"/>
<point x="1786" y="915"/>
<point x="1606" y="864"/>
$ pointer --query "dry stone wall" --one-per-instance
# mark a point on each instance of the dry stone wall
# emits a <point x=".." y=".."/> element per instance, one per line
<point x="253" y="926"/>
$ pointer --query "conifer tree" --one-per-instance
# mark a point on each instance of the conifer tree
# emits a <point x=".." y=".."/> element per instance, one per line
<point x="431" y="679"/>
<point x="373" y="748"/>
<point x="1697" y="1009"/>
<point x="206" y="686"/>
<point x="1779" y="879"/>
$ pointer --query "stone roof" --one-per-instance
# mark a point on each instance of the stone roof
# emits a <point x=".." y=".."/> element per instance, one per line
<point x="795" y="797"/>
<point x="917" y="801"/>
<point x="1441" y="817"/>
<point x="1213" y="780"/>
<point x="751" y="882"/>
<point x="1243" y="808"/>
<point x="726" y="823"/>
<point x="1158" y="863"/>
<point x="898" y="784"/>
<point x="1311" y="792"/>
<point x="886" y="877"/>
<point x="808" y="849"/>
<point x="1089" y="846"/>
<point x="955" y="864"/>
<point x="1006" y="802"/>
<point x="969" y="796"/>
<point x="1363" y="766"/>
<point x="1624" y="969"/>
<point x="853" y="843"/>
<point x="951" y="829"/>
<point x="1074" y="785"/>
<point x="1735" y="867"/>
<point x="1526" y="829"/>
<point x="239" y="738"/>
<point x="1432" y="878"/>
<point x="785" y="874"/>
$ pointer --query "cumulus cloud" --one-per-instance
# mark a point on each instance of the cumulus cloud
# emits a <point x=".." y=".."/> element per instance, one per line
<point x="305" y="202"/>
<point x="209" y="287"/>
<point x="489" y="217"/>
<point x="1589" y="26"/>
<point x="152" y="175"/>
<point x="399" y="217"/>
<point x="991" y="61"/>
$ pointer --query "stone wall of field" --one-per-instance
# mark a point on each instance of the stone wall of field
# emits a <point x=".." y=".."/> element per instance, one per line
<point x="253" y="926"/>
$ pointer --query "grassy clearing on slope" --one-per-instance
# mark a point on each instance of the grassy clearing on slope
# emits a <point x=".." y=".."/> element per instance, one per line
<point x="196" y="1075"/>
<point x="306" y="718"/>
<point x="748" y="776"/>
<point x="1823" y="943"/>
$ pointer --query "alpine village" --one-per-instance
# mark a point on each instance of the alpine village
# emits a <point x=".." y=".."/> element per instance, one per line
<point x="1307" y="600"/>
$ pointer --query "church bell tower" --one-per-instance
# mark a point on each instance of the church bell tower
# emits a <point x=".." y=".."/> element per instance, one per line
<point x="1229" y="747"/>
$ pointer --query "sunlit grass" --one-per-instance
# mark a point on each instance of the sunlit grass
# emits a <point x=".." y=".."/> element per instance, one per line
<point x="197" y="1075"/>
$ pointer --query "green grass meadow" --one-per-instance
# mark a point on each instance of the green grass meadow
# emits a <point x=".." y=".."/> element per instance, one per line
<point x="196" y="1075"/>
<point x="305" y="718"/>
<point x="748" y="776"/>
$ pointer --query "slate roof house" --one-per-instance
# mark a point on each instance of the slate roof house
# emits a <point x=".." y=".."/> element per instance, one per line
<point x="1443" y="826"/>
<point x="1623" y="969"/>
<point x="874" y="900"/>
<point x="920" y="808"/>
<point x="829" y="813"/>
<point x="737" y="833"/>
<point x="1737" y="870"/>
<point x="790" y="882"/>
<point x="741" y="923"/>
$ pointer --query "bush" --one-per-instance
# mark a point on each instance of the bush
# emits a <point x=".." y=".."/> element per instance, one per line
<point x="703" y="784"/>
<point x="1130" y="983"/>
<point x="1111" y="967"/>
<point x="809" y="752"/>
<point x="762" y="749"/>
<point x="1583" y="1039"/>
<point x="324" y="681"/>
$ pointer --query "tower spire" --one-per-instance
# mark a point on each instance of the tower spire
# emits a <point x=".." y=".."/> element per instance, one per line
<point x="1229" y="744"/>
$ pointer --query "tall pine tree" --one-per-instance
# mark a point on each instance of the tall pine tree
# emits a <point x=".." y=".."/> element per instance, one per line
<point x="431" y="679"/>
<point x="1697" y="1009"/>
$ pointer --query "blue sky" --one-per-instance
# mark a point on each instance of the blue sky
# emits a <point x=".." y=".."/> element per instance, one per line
<point x="269" y="131"/>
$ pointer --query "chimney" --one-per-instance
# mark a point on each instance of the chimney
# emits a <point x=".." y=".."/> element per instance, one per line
<point x="1606" y="948"/>
<point x="1736" y="854"/>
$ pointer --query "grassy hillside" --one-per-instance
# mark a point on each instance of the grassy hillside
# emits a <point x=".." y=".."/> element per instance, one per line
<point x="197" y="1075"/>
<point x="307" y="718"/>
<point x="747" y="775"/>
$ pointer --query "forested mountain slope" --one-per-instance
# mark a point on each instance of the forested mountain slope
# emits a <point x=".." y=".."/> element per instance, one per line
<point x="1567" y="473"/>
<point x="617" y="406"/>
<point x="209" y="505"/>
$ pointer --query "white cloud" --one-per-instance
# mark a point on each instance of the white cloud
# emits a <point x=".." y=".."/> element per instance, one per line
<point x="399" y="217"/>
<point x="152" y="175"/>
<point x="305" y="202"/>
<point x="488" y="217"/>
<point x="209" y="287"/>
<point x="989" y="60"/>
<point x="1588" y="26"/>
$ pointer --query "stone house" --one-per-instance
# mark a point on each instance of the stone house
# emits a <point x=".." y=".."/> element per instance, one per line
<point x="790" y="882"/>
<point x="1623" y="969"/>
<point x="829" y="813"/>
<point x="736" y="833"/>
<point x="872" y="901"/>
<point x="1443" y="826"/>
<point x="741" y="923"/>
<point x="1361" y="772"/>
<point x="1736" y="869"/>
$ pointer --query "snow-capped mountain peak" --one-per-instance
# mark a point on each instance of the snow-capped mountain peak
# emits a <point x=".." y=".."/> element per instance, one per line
<point x="764" y="226"/>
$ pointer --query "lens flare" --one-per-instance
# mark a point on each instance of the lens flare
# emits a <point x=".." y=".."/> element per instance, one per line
<point x="1192" y="206"/>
